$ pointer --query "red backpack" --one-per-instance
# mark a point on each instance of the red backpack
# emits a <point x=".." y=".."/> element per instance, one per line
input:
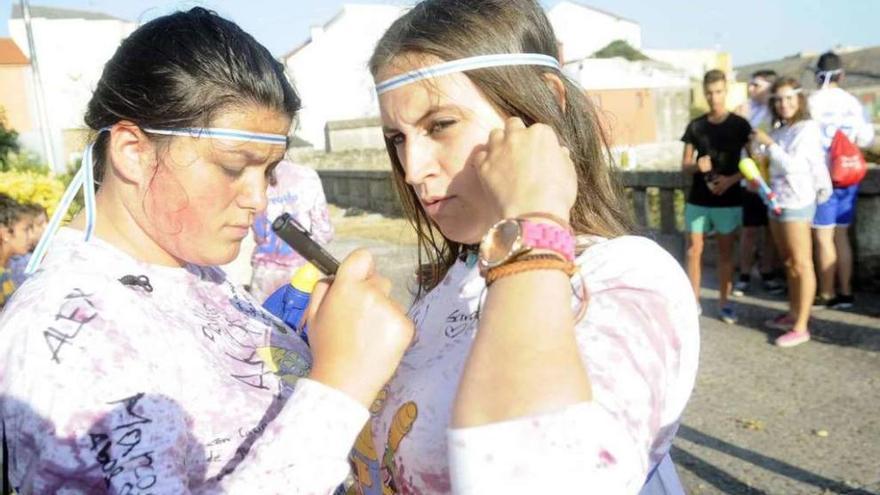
<point x="848" y="166"/>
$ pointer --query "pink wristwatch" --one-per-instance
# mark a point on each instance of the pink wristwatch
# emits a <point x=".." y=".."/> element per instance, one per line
<point x="512" y="237"/>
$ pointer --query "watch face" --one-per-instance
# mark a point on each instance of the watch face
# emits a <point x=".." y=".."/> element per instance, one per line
<point x="500" y="242"/>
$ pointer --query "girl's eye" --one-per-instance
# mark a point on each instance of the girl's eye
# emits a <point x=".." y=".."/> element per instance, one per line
<point x="440" y="125"/>
<point x="396" y="139"/>
<point x="233" y="172"/>
<point x="270" y="173"/>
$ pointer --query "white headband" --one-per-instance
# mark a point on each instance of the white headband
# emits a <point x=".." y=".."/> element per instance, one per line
<point x="791" y="91"/>
<point x="465" y="64"/>
<point x="826" y="75"/>
<point x="85" y="179"/>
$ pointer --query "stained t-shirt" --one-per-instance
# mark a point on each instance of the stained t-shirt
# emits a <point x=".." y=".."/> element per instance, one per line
<point x="174" y="381"/>
<point x="723" y="143"/>
<point x="639" y="341"/>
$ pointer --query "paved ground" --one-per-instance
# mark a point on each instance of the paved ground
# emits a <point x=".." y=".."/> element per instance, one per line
<point x="762" y="420"/>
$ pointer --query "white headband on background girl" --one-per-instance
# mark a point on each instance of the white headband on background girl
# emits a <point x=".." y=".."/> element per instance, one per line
<point x="85" y="179"/>
<point x="826" y="76"/>
<point x="465" y="64"/>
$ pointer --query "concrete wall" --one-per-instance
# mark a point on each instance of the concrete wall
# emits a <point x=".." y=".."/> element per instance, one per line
<point x="356" y="134"/>
<point x="371" y="190"/>
<point x="866" y="232"/>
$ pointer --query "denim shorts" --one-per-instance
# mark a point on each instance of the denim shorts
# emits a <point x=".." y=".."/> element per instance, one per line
<point x="804" y="214"/>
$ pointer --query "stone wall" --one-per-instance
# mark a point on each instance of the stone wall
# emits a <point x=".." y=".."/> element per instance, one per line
<point x="373" y="190"/>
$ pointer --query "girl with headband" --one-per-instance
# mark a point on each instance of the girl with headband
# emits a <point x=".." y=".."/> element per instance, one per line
<point x="800" y="179"/>
<point x="128" y="363"/>
<point x="553" y="352"/>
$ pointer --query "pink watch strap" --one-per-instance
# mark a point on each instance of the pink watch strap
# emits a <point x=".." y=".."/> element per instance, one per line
<point x="546" y="236"/>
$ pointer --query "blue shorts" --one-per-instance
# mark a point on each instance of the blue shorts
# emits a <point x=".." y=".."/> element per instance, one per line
<point x="839" y="210"/>
<point x="804" y="214"/>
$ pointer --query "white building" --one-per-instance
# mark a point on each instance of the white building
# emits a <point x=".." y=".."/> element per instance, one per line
<point x="695" y="62"/>
<point x="584" y="30"/>
<point x="330" y="69"/>
<point x="618" y="73"/>
<point x="72" y="47"/>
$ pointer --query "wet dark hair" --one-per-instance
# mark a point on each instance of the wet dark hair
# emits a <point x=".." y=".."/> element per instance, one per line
<point x="455" y="29"/>
<point x="828" y="61"/>
<point x="179" y="70"/>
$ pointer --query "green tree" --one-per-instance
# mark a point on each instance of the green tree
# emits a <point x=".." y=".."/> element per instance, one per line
<point x="620" y="48"/>
<point x="8" y="141"/>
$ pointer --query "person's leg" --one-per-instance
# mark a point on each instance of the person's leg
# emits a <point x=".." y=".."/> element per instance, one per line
<point x="695" y="224"/>
<point x="844" y="260"/>
<point x="725" y="266"/>
<point x="846" y="209"/>
<point x="694" y="260"/>
<point x="754" y="218"/>
<point x="727" y="222"/>
<point x="785" y="255"/>
<point x="826" y="257"/>
<point x="748" y="243"/>
<point x="797" y="235"/>
<point x="772" y="273"/>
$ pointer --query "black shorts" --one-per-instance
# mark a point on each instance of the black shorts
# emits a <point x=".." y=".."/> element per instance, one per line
<point x="754" y="210"/>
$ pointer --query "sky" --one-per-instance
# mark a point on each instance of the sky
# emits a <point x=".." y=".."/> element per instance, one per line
<point x="751" y="30"/>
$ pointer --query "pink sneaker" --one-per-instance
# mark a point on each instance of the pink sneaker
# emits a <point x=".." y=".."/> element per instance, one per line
<point x="792" y="338"/>
<point x="783" y="322"/>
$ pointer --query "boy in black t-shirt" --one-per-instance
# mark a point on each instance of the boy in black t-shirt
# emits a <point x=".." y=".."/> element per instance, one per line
<point x="713" y="145"/>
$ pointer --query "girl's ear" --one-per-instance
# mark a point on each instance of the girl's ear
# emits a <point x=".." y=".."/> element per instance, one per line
<point x="557" y="86"/>
<point x="127" y="153"/>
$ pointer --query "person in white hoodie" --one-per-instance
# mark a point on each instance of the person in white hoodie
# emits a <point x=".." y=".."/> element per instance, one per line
<point x="800" y="179"/>
<point x="835" y="109"/>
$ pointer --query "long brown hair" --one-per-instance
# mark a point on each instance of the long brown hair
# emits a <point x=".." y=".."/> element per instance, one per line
<point x="803" y="113"/>
<point x="455" y="29"/>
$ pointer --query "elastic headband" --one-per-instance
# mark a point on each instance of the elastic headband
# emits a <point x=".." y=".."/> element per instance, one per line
<point x="465" y="64"/>
<point x="826" y="75"/>
<point x="796" y="91"/>
<point x="85" y="179"/>
<point x="219" y="133"/>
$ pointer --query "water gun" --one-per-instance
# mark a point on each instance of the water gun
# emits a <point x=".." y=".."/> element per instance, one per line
<point x="289" y="302"/>
<point x="750" y="171"/>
